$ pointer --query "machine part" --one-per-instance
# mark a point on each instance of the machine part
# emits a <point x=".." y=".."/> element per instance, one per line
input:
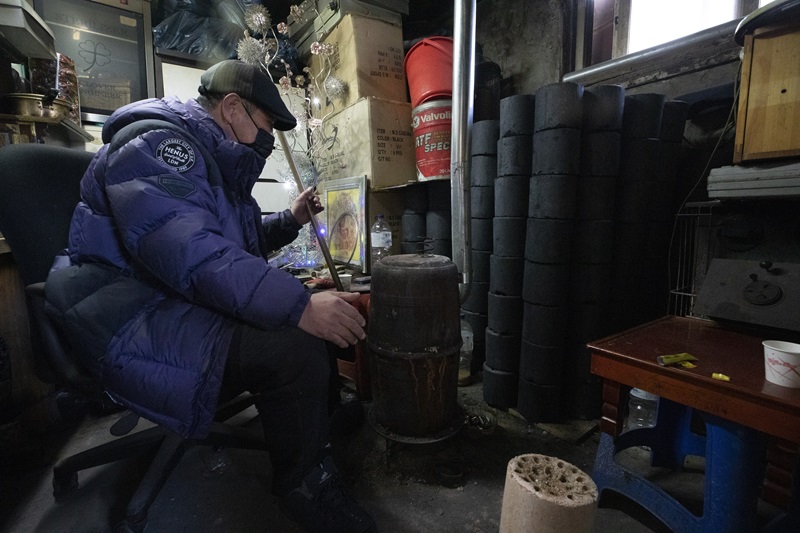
<point x="751" y="292"/>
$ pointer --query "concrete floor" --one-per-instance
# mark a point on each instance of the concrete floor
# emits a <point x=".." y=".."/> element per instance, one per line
<point x="451" y="486"/>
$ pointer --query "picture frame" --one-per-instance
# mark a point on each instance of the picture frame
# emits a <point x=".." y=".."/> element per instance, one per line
<point x="346" y="223"/>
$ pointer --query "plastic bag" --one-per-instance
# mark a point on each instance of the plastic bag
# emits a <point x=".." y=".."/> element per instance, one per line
<point x="208" y="37"/>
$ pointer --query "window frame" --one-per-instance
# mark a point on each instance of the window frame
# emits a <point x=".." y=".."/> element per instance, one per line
<point x="622" y="13"/>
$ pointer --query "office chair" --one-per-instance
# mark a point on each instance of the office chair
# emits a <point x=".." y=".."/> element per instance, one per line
<point x="39" y="188"/>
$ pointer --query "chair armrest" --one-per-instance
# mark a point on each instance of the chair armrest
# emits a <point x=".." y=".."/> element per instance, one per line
<point x="52" y="348"/>
<point x="35" y="290"/>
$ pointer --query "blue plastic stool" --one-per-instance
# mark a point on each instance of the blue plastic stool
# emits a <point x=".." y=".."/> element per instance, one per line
<point x="735" y="462"/>
<point x="788" y="522"/>
<point x="670" y="440"/>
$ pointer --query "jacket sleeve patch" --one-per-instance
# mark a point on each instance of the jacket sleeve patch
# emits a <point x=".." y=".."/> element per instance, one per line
<point x="176" y="154"/>
<point x="177" y="187"/>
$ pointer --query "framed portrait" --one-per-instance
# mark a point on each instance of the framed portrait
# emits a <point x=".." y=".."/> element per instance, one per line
<point x="346" y="219"/>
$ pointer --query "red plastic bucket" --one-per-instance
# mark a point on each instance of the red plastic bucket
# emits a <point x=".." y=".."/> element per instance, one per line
<point x="429" y="70"/>
<point x="431" y="123"/>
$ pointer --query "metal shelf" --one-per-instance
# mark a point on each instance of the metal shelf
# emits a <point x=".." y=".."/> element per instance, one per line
<point x="71" y="126"/>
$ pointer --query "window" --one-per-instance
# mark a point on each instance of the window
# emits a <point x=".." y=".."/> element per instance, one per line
<point x="653" y="23"/>
<point x="615" y="28"/>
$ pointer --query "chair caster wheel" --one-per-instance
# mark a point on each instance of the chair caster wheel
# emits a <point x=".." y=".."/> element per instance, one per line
<point x="63" y="485"/>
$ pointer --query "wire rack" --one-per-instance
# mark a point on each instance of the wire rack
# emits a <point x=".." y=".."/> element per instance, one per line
<point x="692" y="249"/>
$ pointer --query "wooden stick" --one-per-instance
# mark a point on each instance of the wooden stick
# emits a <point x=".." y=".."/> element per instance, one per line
<point x="323" y="244"/>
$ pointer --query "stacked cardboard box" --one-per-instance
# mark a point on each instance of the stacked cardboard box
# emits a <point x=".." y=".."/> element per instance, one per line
<point x="367" y="56"/>
<point x="367" y="130"/>
<point x="318" y="17"/>
<point x="371" y="137"/>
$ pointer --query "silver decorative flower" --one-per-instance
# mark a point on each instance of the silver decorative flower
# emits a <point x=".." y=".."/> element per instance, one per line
<point x="258" y="18"/>
<point x="251" y="50"/>
<point x="335" y="88"/>
<point x="297" y="12"/>
<point x="271" y="45"/>
<point x="283" y="28"/>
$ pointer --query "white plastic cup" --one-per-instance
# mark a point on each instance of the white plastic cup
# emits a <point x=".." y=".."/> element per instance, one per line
<point x="782" y="363"/>
<point x="346" y="280"/>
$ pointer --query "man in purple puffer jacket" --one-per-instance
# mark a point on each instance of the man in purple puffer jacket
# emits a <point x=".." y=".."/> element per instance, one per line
<point x="169" y="297"/>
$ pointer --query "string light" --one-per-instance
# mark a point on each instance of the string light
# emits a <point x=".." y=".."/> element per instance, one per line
<point x="261" y="48"/>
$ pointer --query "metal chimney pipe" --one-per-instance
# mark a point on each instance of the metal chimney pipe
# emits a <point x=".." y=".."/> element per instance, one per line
<point x="463" y="90"/>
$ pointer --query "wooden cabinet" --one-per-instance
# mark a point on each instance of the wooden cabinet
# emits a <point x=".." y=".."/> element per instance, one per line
<point x="768" y="124"/>
<point x="26" y="388"/>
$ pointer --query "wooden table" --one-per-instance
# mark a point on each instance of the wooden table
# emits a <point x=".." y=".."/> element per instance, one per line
<point x="629" y="358"/>
<point x="747" y="407"/>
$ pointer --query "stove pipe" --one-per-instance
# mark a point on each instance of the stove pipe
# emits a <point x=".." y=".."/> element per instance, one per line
<point x="463" y="90"/>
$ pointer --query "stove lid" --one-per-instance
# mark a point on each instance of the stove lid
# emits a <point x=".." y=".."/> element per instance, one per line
<point x="761" y="293"/>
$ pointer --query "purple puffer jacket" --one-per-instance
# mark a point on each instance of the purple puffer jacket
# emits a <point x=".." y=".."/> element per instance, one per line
<point x="166" y="260"/>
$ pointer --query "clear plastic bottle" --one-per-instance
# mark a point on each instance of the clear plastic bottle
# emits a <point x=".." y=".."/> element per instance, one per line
<point x="381" y="239"/>
<point x="465" y="356"/>
<point x="642" y="407"/>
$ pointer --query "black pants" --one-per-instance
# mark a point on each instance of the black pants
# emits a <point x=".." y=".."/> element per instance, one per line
<point x="291" y="370"/>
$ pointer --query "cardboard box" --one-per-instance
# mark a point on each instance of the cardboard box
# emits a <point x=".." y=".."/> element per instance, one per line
<point x="320" y="16"/>
<point x="390" y="204"/>
<point x="372" y="137"/>
<point x="368" y="57"/>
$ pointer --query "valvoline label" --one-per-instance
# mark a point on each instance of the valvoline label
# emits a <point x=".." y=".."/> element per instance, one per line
<point x="431" y="123"/>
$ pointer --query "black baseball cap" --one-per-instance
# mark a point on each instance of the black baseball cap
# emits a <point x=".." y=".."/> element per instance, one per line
<point x="251" y="83"/>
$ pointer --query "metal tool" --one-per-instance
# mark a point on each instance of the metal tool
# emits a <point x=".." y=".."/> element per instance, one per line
<point x="323" y="244"/>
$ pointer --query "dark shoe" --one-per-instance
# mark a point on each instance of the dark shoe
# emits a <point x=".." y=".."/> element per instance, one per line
<point x="322" y="504"/>
<point x="346" y="418"/>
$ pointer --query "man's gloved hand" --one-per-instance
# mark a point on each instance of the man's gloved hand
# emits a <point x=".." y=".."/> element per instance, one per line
<point x="330" y="316"/>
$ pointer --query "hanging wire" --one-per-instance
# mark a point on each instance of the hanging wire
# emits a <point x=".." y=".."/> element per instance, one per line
<point x="683" y="292"/>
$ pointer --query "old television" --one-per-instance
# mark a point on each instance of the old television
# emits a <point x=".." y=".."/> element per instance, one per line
<point x="111" y="43"/>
